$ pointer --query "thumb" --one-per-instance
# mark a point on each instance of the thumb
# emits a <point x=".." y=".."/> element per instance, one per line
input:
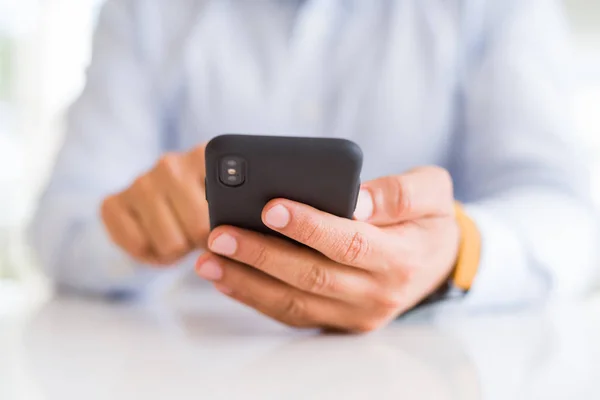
<point x="419" y="193"/>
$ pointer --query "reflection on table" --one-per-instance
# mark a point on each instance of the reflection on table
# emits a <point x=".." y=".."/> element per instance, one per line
<point x="200" y="345"/>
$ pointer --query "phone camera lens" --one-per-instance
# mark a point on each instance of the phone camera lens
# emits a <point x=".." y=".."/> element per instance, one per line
<point x="232" y="171"/>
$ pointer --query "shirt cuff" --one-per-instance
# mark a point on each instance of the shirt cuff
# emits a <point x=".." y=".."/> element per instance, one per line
<point x="504" y="276"/>
<point x="94" y="264"/>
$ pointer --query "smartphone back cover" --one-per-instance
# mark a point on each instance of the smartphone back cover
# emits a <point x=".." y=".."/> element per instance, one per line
<point x="321" y="172"/>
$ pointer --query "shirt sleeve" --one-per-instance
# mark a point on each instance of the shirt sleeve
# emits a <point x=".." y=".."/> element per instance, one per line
<point x="113" y="134"/>
<point x="519" y="170"/>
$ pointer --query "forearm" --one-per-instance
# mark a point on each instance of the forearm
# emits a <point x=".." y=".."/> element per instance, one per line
<point x="75" y="252"/>
<point x="519" y="169"/>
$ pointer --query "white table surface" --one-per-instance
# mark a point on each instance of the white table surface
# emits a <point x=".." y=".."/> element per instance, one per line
<point x="202" y="346"/>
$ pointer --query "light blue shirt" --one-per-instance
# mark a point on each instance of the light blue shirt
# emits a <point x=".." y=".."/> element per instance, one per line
<point x="478" y="87"/>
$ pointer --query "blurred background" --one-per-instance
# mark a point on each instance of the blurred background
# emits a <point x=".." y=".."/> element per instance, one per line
<point x="44" y="49"/>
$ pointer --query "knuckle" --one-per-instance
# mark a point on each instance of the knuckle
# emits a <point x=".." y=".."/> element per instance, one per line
<point x="402" y="196"/>
<point x="137" y="247"/>
<point x="405" y="272"/>
<point x="260" y="257"/>
<point x="387" y="301"/>
<point x="198" y="235"/>
<point x="108" y="206"/>
<point x="109" y="213"/>
<point x="173" y="247"/>
<point x="355" y="249"/>
<point x="316" y="279"/>
<point x="309" y="232"/>
<point x="444" y="180"/>
<point x="168" y="163"/>
<point x="294" y="309"/>
<point x="409" y="273"/>
<point x="293" y="323"/>
<point x="445" y="176"/>
<point x="395" y="193"/>
<point x="196" y="155"/>
<point x="436" y="171"/>
<point x="143" y="185"/>
<point x="367" y="325"/>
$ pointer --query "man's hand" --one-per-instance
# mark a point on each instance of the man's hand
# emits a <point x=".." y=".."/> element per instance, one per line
<point x="163" y="215"/>
<point x="353" y="275"/>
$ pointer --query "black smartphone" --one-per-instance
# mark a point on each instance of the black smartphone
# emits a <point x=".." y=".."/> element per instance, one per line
<point x="245" y="172"/>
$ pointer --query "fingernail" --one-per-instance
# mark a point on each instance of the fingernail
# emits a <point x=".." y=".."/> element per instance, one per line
<point x="364" y="206"/>
<point x="223" y="289"/>
<point x="210" y="270"/>
<point x="224" y="244"/>
<point x="277" y="217"/>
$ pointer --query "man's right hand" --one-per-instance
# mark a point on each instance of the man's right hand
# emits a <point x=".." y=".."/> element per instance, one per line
<point x="163" y="215"/>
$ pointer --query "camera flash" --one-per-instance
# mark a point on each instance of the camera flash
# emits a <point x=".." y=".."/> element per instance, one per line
<point x="231" y="171"/>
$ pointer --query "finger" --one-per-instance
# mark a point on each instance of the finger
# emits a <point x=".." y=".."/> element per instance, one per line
<point x="297" y="266"/>
<point x="419" y="193"/>
<point x="186" y="198"/>
<point x="274" y="298"/>
<point x="195" y="160"/>
<point x="123" y="229"/>
<point x="155" y="216"/>
<point x="344" y="241"/>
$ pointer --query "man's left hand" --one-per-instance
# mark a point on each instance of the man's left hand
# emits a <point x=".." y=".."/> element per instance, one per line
<point x="354" y="275"/>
